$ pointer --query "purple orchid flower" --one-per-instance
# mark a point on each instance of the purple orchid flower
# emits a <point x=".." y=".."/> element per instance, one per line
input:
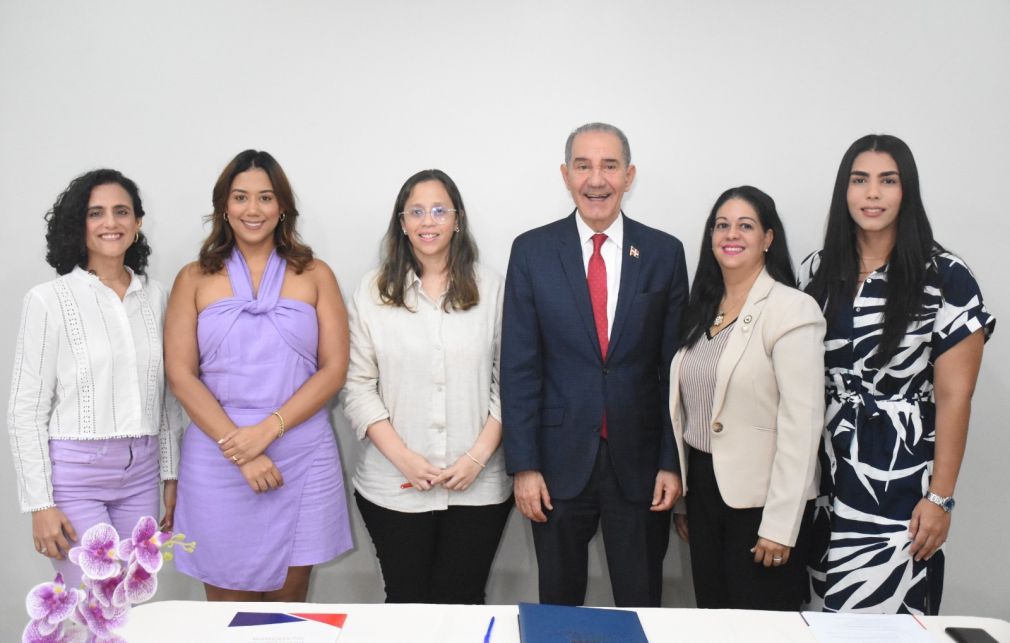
<point x="65" y="632"/>
<point x="96" y="555"/>
<point x="104" y="590"/>
<point x="100" y="620"/>
<point x="138" y="586"/>
<point x="145" y="545"/>
<point x="51" y="603"/>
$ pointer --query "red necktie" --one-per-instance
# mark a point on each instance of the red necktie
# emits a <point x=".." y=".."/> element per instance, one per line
<point x="597" y="278"/>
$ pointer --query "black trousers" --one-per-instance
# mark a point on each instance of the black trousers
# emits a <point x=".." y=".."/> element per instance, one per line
<point x="435" y="556"/>
<point x="634" y="538"/>
<point x="722" y="565"/>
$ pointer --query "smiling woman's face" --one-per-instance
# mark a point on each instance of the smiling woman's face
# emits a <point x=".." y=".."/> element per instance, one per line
<point x="738" y="240"/>
<point x="110" y="223"/>
<point x="874" y="194"/>
<point x="253" y="211"/>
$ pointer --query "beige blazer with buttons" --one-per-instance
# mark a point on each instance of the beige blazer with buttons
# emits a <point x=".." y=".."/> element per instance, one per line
<point x="768" y="407"/>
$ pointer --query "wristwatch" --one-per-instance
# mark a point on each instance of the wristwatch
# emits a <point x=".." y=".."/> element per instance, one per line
<point x="943" y="503"/>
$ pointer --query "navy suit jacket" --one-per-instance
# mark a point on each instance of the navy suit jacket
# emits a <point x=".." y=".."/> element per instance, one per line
<point x="555" y="384"/>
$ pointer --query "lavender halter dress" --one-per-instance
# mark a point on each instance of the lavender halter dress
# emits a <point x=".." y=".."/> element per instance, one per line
<point x="255" y="352"/>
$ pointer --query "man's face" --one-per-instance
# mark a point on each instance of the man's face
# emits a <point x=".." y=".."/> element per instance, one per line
<point x="598" y="177"/>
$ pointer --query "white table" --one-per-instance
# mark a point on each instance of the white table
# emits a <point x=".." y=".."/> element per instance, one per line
<point x="196" y="621"/>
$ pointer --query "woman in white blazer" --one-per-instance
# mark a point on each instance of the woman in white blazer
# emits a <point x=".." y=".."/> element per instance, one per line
<point x="747" y="401"/>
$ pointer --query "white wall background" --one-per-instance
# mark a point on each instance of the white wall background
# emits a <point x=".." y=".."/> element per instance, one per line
<point x="353" y="97"/>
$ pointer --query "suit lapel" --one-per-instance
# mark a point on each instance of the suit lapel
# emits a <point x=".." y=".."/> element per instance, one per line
<point x="740" y="335"/>
<point x="570" y="253"/>
<point x="630" y="269"/>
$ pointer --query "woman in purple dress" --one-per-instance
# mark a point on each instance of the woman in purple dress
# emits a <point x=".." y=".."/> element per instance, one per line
<point x="256" y="344"/>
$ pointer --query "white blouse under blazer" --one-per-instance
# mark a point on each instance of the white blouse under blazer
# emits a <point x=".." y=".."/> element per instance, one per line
<point x="88" y="366"/>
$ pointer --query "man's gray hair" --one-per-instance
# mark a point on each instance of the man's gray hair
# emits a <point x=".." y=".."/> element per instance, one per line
<point x="599" y="127"/>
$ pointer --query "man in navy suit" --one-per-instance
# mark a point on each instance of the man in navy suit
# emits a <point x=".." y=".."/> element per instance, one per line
<point x="589" y="328"/>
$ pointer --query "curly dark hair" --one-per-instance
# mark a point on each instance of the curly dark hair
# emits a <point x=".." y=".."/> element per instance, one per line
<point x="66" y="246"/>
<point x="218" y="245"/>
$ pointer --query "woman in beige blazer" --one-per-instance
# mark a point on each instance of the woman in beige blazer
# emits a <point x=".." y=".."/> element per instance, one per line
<point x="747" y="400"/>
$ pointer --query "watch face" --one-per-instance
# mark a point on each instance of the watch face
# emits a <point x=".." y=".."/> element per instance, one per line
<point x="948" y="504"/>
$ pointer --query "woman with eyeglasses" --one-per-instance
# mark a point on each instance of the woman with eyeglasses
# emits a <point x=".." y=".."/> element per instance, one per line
<point x="255" y="346"/>
<point x="422" y="395"/>
<point x="93" y="429"/>
<point x="745" y="397"/>
<point x="906" y="328"/>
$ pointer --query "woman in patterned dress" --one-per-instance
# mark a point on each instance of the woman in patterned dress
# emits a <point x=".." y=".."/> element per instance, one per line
<point x="906" y="328"/>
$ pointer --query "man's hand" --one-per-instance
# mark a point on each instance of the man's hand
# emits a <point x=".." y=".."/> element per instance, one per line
<point x="666" y="492"/>
<point x="532" y="496"/>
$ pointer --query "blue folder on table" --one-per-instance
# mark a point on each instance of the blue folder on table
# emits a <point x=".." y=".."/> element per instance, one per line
<point x="562" y="624"/>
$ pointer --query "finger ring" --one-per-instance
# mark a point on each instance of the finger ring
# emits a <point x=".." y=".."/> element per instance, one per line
<point x="234" y="459"/>
<point x="777" y="559"/>
<point x="43" y="550"/>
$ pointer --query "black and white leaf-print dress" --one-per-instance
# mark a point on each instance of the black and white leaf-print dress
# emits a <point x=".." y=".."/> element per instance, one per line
<point x="877" y="452"/>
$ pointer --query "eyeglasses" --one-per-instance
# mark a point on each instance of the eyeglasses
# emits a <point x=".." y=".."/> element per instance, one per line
<point x="438" y="213"/>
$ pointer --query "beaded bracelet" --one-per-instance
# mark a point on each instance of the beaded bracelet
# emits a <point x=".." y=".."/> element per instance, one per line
<point x="280" y="433"/>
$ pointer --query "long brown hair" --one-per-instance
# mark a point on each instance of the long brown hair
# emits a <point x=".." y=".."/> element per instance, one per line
<point x="217" y="247"/>
<point x="398" y="255"/>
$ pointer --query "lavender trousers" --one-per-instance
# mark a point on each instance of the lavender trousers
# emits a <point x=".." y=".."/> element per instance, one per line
<point x="111" y="481"/>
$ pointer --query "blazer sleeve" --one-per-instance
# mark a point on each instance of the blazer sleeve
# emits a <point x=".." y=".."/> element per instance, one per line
<point x="521" y="366"/>
<point x="33" y="387"/>
<point x="669" y="460"/>
<point x="797" y="354"/>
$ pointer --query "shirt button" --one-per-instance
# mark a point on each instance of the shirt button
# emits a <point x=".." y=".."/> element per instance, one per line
<point x="867" y="280"/>
<point x="717" y="427"/>
<point x="438" y="389"/>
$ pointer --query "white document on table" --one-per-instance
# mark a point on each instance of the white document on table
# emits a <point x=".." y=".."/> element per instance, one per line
<point x="863" y="628"/>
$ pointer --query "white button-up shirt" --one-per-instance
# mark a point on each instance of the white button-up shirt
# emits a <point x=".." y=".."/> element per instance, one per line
<point x="88" y="366"/>
<point x="611" y="253"/>
<point x="434" y="375"/>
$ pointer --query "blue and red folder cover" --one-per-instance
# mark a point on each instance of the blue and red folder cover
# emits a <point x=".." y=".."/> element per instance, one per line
<point x="561" y="624"/>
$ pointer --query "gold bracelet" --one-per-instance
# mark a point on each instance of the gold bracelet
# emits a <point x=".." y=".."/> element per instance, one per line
<point x="280" y="433"/>
<point x="476" y="461"/>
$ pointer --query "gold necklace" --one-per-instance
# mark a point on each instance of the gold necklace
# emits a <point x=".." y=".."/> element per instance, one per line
<point x="106" y="280"/>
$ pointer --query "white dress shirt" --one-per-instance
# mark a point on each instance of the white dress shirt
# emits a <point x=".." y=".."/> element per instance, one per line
<point x="611" y="253"/>
<point x="434" y="376"/>
<point x="88" y="366"/>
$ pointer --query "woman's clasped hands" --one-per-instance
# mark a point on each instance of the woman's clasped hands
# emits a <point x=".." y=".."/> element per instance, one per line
<point x="245" y="447"/>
